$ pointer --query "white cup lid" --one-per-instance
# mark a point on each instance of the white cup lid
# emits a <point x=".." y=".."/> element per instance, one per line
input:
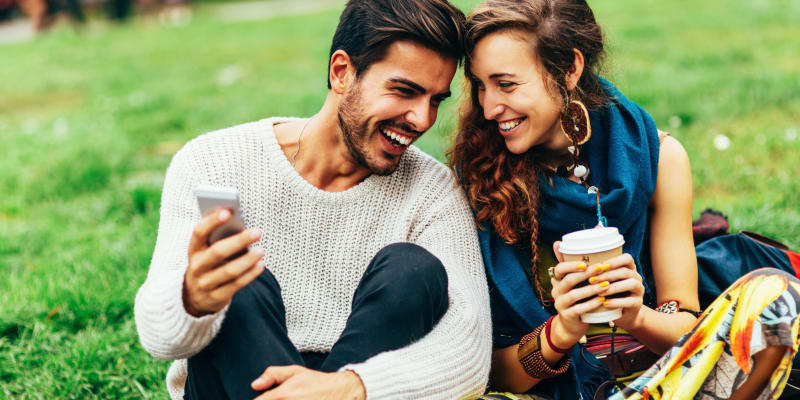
<point x="590" y="241"/>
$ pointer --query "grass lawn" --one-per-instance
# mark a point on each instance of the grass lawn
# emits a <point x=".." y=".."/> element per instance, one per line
<point x="90" y="119"/>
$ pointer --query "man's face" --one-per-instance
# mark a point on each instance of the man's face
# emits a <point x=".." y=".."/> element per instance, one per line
<point x="393" y="103"/>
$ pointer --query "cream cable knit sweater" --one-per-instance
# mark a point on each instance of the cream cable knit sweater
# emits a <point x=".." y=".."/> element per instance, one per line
<point x="318" y="244"/>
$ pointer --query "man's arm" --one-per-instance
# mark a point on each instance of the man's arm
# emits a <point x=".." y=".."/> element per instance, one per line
<point x="453" y="360"/>
<point x="165" y="329"/>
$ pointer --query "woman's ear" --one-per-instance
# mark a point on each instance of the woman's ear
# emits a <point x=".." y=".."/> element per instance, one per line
<point x="340" y="71"/>
<point x="575" y="71"/>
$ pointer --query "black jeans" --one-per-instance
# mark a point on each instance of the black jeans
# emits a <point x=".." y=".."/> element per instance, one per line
<point x="400" y="298"/>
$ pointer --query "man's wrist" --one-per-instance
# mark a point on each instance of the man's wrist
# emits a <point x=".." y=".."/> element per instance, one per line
<point x="355" y="387"/>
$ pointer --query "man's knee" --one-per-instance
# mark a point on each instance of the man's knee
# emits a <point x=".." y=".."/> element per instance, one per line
<point x="262" y="295"/>
<point x="414" y="277"/>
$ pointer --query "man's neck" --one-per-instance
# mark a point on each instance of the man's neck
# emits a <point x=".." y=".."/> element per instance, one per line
<point x="319" y="153"/>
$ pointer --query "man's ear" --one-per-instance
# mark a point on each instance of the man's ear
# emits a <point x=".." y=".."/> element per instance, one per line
<point x="575" y="71"/>
<point x="341" y="71"/>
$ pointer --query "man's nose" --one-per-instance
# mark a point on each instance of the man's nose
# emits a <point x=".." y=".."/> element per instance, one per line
<point x="420" y="116"/>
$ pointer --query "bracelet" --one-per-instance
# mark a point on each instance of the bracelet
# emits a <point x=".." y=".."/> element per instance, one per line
<point x="674" y="306"/>
<point x="530" y="357"/>
<point x="550" y="342"/>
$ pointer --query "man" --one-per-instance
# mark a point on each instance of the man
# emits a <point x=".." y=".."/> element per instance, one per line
<point x="363" y="278"/>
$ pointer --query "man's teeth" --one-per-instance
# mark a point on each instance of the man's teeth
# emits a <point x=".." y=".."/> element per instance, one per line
<point x="397" y="138"/>
<point x="507" y="126"/>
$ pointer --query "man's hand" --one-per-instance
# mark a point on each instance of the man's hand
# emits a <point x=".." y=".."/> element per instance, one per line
<point x="296" y="382"/>
<point x="212" y="278"/>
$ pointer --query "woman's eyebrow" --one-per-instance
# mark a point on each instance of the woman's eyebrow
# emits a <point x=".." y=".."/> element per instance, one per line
<point x="501" y="75"/>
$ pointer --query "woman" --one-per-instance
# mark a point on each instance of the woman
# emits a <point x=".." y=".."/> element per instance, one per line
<point x="546" y="147"/>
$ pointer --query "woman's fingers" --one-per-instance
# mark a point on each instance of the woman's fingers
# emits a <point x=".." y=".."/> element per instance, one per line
<point x="631" y="287"/>
<point x="563" y="269"/>
<point x="557" y="251"/>
<point x="574" y="312"/>
<point x="622" y="260"/>
<point x="576" y="295"/>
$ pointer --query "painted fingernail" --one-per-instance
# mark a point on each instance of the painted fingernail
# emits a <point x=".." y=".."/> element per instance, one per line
<point x="606" y="267"/>
<point x="598" y="268"/>
<point x="260" y="264"/>
<point x="259" y="381"/>
<point x="223" y="215"/>
<point x="604" y="284"/>
<point x="581" y="267"/>
<point x="255" y="233"/>
<point x="602" y="299"/>
<point x="259" y="252"/>
<point x="593" y="279"/>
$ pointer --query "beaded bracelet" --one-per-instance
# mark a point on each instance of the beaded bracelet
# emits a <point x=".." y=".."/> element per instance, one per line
<point x="530" y="357"/>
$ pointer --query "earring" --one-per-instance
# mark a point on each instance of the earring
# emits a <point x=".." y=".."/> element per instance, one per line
<point x="575" y="123"/>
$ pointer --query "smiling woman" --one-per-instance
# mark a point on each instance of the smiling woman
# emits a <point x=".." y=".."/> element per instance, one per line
<point x="546" y="147"/>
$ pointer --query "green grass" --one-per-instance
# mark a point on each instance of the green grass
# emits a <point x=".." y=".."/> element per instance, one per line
<point x="90" y="119"/>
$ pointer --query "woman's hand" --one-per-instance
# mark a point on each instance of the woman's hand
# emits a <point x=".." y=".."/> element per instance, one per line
<point x="568" y="297"/>
<point x="622" y="276"/>
<point x="616" y="275"/>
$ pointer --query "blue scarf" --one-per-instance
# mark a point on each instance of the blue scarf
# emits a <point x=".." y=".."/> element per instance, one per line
<point x="622" y="155"/>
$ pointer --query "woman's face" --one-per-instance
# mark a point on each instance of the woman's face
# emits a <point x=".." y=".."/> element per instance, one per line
<point x="513" y="93"/>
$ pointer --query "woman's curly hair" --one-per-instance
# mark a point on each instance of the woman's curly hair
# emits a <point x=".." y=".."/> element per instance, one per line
<point x="502" y="187"/>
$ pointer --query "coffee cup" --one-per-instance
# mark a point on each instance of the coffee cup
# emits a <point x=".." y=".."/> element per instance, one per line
<point x="593" y="246"/>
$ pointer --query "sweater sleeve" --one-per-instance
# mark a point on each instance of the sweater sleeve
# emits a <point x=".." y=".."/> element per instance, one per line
<point x="165" y="329"/>
<point x="453" y="360"/>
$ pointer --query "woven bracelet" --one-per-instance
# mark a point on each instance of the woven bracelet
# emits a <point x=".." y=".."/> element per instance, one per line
<point x="529" y="353"/>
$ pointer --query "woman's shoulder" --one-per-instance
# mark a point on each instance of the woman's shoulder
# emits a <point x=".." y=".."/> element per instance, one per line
<point x="671" y="151"/>
<point x="674" y="182"/>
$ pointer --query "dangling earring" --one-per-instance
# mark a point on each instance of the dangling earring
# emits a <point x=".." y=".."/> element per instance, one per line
<point x="575" y="123"/>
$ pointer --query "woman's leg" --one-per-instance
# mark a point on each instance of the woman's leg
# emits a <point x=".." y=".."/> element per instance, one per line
<point x="741" y="346"/>
<point x="766" y="361"/>
<point x="400" y="298"/>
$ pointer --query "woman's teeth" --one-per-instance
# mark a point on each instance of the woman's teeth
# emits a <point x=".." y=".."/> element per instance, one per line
<point x="507" y="126"/>
<point x="395" y="138"/>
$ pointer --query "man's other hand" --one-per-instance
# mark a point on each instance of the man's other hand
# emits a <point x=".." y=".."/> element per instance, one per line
<point x="213" y="277"/>
<point x="296" y="382"/>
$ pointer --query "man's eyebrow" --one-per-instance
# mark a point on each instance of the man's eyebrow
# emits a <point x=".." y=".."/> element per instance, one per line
<point x="409" y="83"/>
<point x="419" y="88"/>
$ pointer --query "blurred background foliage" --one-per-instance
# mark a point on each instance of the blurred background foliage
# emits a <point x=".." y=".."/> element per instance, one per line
<point x="90" y="116"/>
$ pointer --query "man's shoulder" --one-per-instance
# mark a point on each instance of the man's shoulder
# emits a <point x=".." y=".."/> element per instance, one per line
<point x="225" y="137"/>
<point x="424" y="176"/>
<point x="421" y="167"/>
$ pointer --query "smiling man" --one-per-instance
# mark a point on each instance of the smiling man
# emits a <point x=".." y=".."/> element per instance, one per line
<point x="361" y="276"/>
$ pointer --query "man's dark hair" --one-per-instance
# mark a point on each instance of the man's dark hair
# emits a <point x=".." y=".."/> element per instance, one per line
<point x="367" y="28"/>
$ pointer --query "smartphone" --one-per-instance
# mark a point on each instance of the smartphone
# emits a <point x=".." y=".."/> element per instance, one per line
<point x="212" y="198"/>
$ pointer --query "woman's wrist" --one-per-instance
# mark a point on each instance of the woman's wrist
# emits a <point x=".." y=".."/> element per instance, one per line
<point x="561" y="336"/>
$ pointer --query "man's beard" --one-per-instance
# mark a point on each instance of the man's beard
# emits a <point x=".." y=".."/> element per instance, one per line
<point x="356" y="133"/>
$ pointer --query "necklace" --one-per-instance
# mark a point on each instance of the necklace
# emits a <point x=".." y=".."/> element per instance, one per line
<point x="299" y="142"/>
